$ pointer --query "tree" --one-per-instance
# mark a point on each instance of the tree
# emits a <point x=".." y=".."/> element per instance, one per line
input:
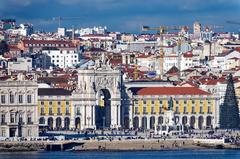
<point x="229" y="111"/>
<point x="3" y="47"/>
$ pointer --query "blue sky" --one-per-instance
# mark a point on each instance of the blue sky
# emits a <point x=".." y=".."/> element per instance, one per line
<point x="122" y="15"/>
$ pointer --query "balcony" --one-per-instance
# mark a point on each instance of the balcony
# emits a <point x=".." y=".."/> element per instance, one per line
<point x="30" y="123"/>
<point x="59" y="113"/>
<point x="50" y="113"/>
<point x="42" y="114"/>
<point x="3" y="123"/>
<point x="67" y="113"/>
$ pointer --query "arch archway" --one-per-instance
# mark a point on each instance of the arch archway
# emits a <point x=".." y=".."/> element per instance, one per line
<point x="160" y="120"/>
<point x="192" y="122"/>
<point x="209" y="122"/>
<point x="152" y="122"/>
<point x="77" y="123"/>
<point x="176" y="120"/>
<point x="58" y="123"/>
<point x="126" y="122"/>
<point x="135" y="122"/>
<point x="66" y="123"/>
<point x="144" y="123"/>
<point x="42" y="120"/>
<point x="103" y="109"/>
<point x="200" y="122"/>
<point x="184" y="120"/>
<point x="50" y="123"/>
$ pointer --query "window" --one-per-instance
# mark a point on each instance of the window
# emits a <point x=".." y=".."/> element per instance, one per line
<point x="160" y="110"/>
<point x="59" y="110"/>
<point x="185" y="109"/>
<point x="152" y="109"/>
<point x="42" y="103"/>
<point x="193" y="109"/>
<point x="67" y="110"/>
<point x="50" y="111"/>
<point x="20" y="98"/>
<point x="11" y="98"/>
<point x="193" y="101"/>
<point x="29" y="118"/>
<point x="12" y="118"/>
<point x="160" y="102"/>
<point x="78" y="111"/>
<point x="136" y="110"/>
<point x="177" y="109"/>
<point x="50" y="103"/>
<point x="20" y="118"/>
<point x="29" y="98"/>
<point x="67" y="102"/>
<point x="209" y="109"/>
<point x="144" y="102"/>
<point x="136" y="101"/>
<point x="59" y="103"/>
<point x="201" y="109"/>
<point x="3" y="117"/>
<point x="152" y="101"/>
<point x="42" y="110"/>
<point x="3" y="133"/>
<point x="3" y="99"/>
<point x="144" y="110"/>
<point x="185" y="102"/>
<point x="177" y="102"/>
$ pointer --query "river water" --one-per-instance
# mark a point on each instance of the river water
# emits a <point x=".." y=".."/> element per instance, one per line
<point x="183" y="154"/>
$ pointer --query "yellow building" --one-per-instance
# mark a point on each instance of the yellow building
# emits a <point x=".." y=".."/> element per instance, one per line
<point x="193" y="108"/>
<point x="55" y="109"/>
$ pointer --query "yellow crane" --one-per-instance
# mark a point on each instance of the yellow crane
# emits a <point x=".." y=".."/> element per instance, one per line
<point x="162" y="30"/>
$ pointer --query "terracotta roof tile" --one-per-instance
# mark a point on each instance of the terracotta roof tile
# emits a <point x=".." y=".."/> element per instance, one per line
<point x="171" y="91"/>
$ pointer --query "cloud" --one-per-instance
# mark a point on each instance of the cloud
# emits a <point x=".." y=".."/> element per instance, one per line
<point x="120" y="14"/>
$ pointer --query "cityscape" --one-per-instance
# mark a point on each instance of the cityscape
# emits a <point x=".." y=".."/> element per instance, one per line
<point x="91" y="89"/>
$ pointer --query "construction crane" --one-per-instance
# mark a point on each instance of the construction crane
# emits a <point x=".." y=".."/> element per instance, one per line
<point x="162" y="30"/>
<point x="60" y="19"/>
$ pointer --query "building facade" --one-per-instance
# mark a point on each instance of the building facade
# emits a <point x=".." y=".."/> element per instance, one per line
<point x="63" y="58"/>
<point x="55" y="109"/>
<point x="193" y="108"/>
<point x="18" y="108"/>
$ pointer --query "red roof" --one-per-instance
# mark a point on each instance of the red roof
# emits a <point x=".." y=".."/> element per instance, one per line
<point x="59" y="42"/>
<point x="188" y="54"/>
<point x="171" y="91"/>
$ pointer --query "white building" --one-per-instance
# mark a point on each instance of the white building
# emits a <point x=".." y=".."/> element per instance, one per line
<point x="23" y="29"/>
<point x="18" y="108"/>
<point x="63" y="58"/>
<point x="22" y="64"/>
<point x="61" y="32"/>
<point x="94" y="30"/>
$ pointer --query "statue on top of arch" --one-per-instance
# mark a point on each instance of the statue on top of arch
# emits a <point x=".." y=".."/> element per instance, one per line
<point x="103" y="62"/>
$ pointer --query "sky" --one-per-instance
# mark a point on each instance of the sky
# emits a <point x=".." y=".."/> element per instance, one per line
<point x="122" y="15"/>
